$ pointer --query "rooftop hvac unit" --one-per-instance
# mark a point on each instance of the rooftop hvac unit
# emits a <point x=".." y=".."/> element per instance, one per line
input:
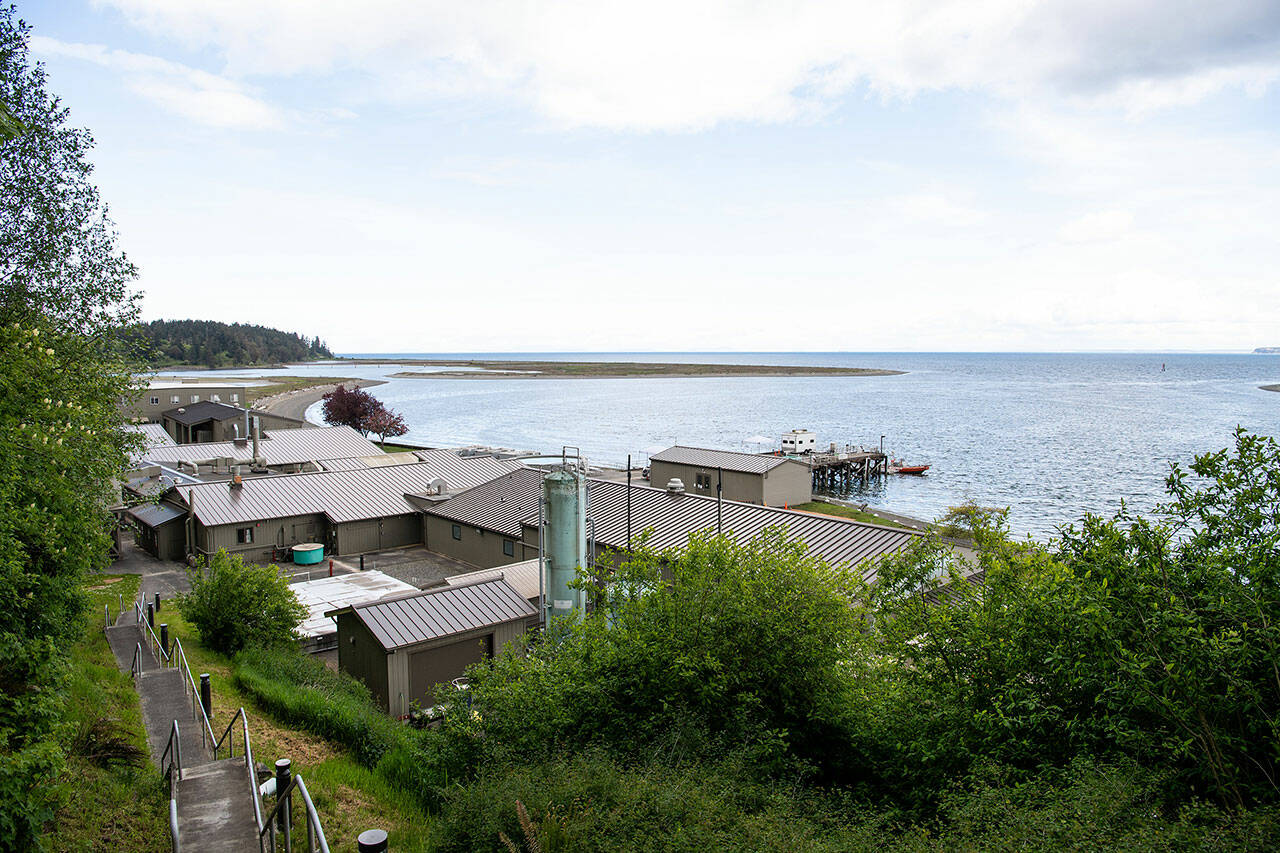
<point x="437" y="486"/>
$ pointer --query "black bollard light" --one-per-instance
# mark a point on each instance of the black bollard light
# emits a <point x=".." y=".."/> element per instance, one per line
<point x="283" y="778"/>
<point x="164" y="637"/>
<point x="151" y="616"/>
<point x="206" y="695"/>
<point x="372" y="841"/>
<point x="157" y="602"/>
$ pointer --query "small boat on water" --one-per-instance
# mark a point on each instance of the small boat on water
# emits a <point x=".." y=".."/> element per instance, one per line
<point x="898" y="466"/>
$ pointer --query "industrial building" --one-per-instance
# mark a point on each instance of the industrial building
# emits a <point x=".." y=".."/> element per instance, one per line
<point x="402" y="647"/>
<point x="483" y="526"/>
<point x="349" y="512"/>
<point x="747" y="477"/>
<point x="162" y="395"/>
<point x="211" y="421"/>
<point x="670" y="516"/>
<point x="287" y="451"/>
<point x="319" y="632"/>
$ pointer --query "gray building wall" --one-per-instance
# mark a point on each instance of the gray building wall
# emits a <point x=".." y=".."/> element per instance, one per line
<point x="146" y="411"/>
<point x="166" y="542"/>
<point x="479" y="547"/>
<point x="401" y="680"/>
<point x="377" y="534"/>
<point x="282" y="532"/>
<point x="788" y="483"/>
<point x="227" y="430"/>
<point x="363" y="658"/>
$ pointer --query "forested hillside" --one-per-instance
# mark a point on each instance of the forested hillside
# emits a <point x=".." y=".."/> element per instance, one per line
<point x="214" y="344"/>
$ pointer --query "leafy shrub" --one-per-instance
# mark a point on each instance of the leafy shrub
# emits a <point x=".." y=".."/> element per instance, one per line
<point x="301" y="691"/>
<point x="234" y="605"/>
<point x="732" y="644"/>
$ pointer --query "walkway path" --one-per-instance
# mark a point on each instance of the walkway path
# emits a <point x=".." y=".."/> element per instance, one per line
<point x="214" y="797"/>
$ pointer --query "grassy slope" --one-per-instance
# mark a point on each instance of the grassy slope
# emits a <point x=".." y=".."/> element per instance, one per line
<point x="349" y="797"/>
<point x="106" y="809"/>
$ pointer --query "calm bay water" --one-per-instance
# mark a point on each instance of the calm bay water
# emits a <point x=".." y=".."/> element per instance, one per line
<point x="1049" y="435"/>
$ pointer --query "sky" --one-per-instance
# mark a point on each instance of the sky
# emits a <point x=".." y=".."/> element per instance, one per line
<point x="417" y="176"/>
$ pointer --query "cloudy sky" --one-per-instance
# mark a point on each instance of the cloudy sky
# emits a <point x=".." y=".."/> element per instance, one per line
<point x="408" y="175"/>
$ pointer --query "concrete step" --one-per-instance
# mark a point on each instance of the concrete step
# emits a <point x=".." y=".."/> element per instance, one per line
<point x="123" y="640"/>
<point x="164" y="699"/>
<point x="215" y="808"/>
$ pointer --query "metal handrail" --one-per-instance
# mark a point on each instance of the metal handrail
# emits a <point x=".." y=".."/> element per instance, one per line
<point x="206" y="732"/>
<point x="252" y="770"/>
<point x="173" y="746"/>
<point x="226" y="736"/>
<point x="316" y="842"/>
<point x="135" y="667"/>
<point x="162" y="655"/>
<point x="173" y="823"/>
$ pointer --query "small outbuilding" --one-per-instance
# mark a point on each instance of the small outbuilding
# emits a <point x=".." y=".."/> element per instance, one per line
<point x="752" y="478"/>
<point x="158" y="529"/>
<point x="402" y="647"/>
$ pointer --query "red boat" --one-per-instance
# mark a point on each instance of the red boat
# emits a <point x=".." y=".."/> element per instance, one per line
<point x="898" y="467"/>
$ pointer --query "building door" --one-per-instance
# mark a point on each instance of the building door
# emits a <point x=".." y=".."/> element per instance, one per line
<point x="442" y="664"/>
<point x="359" y="537"/>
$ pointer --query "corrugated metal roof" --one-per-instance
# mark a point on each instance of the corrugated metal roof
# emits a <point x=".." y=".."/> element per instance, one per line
<point x="205" y="410"/>
<point x="154" y="434"/>
<point x="499" y="505"/>
<point x="433" y="614"/>
<point x="378" y="460"/>
<point x="729" y="460"/>
<point x="341" y="495"/>
<point x="154" y="515"/>
<point x="674" y="517"/>
<point x="523" y="576"/>
<point x="278" y="447"/>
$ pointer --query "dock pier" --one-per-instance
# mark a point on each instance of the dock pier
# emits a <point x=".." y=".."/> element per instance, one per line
<point x="839" y="469"/>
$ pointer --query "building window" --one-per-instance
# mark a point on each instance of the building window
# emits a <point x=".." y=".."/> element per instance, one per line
<point x="217" y="398"/>
<point x="457" y="531"/>
<point x="244" y="535"/>
<point x="702" y="481"/>
<point x="235" y="398"/>
<point x="195" y="398"/>
<point x="173" y="399"/>
<point x="508" y="547"/>
<point x="155" y="401"/>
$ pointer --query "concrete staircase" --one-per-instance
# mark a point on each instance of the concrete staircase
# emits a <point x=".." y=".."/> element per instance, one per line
<point x="214" y="798"/>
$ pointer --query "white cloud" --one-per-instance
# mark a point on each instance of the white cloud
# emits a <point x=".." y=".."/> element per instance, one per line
<point x="678" y="65"/>
<point x="189" y="92"/>
<point x="1096" y="226"/>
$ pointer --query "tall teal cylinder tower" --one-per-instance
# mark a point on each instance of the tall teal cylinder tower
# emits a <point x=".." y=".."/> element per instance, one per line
<point x="564" y="549"/>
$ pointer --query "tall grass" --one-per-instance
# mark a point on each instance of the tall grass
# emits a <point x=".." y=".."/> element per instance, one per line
<point x="300" y="691"/>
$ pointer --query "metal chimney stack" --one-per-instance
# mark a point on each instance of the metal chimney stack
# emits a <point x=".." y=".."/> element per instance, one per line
<point x="257" y="460"/>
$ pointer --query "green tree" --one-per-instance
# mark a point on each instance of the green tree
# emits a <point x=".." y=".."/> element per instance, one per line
<point x="64" y="295"/>
<point x="236" y="605"/>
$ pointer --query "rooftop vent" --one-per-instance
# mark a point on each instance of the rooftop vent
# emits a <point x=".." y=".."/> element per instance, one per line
<point x="237" y="482"/>
<point x="675" y="486"/>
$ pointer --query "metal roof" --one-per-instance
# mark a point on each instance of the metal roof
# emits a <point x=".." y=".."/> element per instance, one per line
<point x="341" y="495"/>
<point x="326" y="594"/>
<point x="729" y="460"/>
<point x="205" y="410"/>
<point x="499" y="505"/>
<point x="411" y="619"/>
<point x="674" y="517"/>
<point x="278" y="447"/>
<point x="378" y="460"/>
<point x="523" y="576"/>
<point x="154" y="515"/>
<point x="155" y="435"/>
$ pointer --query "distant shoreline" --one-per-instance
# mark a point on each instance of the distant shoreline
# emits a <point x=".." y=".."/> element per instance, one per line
<point x="294" y="404"/>
<point x="1270" y="387"/>
<point x="511" y="369"/>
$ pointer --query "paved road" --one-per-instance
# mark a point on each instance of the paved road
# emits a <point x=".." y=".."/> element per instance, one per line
<point x="160" y="576"/>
